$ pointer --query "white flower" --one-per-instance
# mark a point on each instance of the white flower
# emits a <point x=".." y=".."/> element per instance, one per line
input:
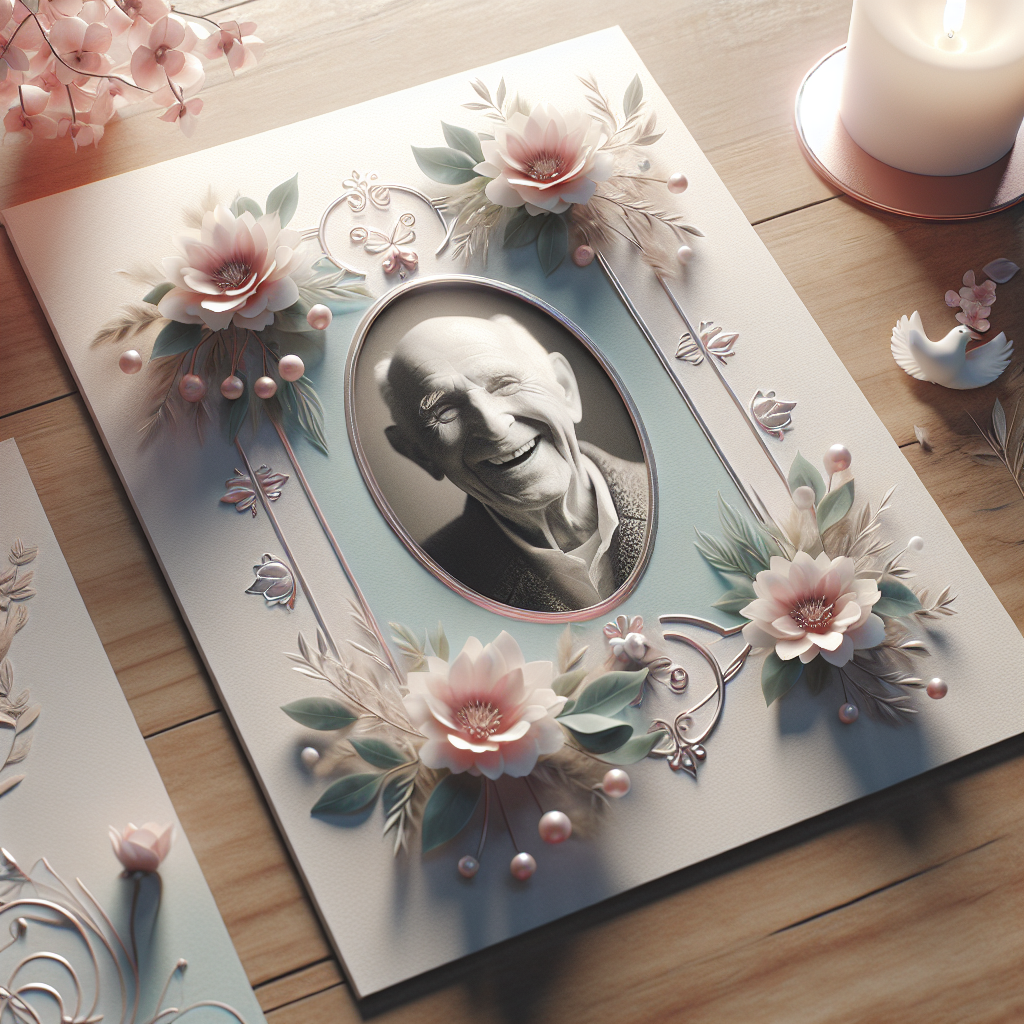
<point x="545" y="161"/>
<point x="142" y="849"/>
<point x="489" y="713"/>
<point x="813" y="606"/>
<point x="236" y="269"/>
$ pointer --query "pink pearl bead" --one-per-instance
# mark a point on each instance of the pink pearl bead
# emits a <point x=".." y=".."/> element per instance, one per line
<point x="192" y="388"/>
<point x="130" y="361"/>
<point x="309" y="756"/>
<point x="232" y="388"/>
<point x="803" y="497"/>
<point x="555" y="827"/>
<point x="684" y="254"/>
<point x="522" y="866"/>
<point x="291" y="367"/>
<point x="936" y="689"/>
<point x="615" y="783"/>
<point x="837" y="458"/>
<point x="849" y="713"/>
<point x="583" y="256"/>
<point x="319" y="317"/>
<point x="677" y="182"/>
<point x="468" y="866"/>
<point x="265" y="387"/>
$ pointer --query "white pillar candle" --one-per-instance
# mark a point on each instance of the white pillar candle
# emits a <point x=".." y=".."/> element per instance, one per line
<point x="920" y="99"/>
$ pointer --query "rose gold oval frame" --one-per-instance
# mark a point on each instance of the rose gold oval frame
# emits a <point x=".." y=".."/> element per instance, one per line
<point x="469" y="281"/>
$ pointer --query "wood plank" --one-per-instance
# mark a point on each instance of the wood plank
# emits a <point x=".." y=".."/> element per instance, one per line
<point x="292" y="987"/>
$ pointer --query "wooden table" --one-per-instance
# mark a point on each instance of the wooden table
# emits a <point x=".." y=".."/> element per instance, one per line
<point x="908" y="906"/>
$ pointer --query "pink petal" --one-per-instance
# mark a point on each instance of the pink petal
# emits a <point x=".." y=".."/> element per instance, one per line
<point x="1001" y="270"/>
<point x="969" y="279"/>
<point x="952" y="299"/>
<point x="842" y="655"/>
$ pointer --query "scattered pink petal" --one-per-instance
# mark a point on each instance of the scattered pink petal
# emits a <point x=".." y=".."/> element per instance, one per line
<point x="969" y="279"/>
<point x="974" y="315"/>
<point x="953" y="299"/>
<point x="1000" y="270"/>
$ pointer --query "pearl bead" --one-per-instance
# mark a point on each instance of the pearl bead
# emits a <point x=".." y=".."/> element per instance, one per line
<point x="583" y="256"/>
<point x="291" y="367"/>
<point x="849" y="713"/>
<point x="130" y="361"/>
<point x="309" y="756"/>
<point x="915" y="544"/>
<point x="555" y="827"/>
<point x="615" y="783"/>
<point x="837" y="458"/>
<point x="684" y="254"/>
<point x="192" y="388"/>
<point x="265" y="387"/>
<point x="936" y="689"/>
<point x="319" y="317"/>
<point x="232" y="387"/>
<point x="469" y="866"/>
<point x="803" y="497"/>
<point x="677" y="182"/>
<point x="522" y="866"/>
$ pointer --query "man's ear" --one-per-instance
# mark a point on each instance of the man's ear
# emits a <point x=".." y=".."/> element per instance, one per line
<point x="408" y="447"/>
<point x="567" y="379"/>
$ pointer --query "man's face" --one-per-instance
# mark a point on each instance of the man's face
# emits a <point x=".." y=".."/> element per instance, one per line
<point x="484" y="405"/>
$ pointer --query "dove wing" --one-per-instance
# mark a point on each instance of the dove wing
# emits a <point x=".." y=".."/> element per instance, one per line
<point x="985" y="363"/>
<point x="901" y="350"/>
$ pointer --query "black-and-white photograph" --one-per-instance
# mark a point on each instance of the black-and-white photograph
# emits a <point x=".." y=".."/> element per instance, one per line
<point x="500" y="447"/>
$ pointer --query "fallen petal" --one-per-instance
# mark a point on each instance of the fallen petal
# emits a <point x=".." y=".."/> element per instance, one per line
<point x="1000" y="270"/>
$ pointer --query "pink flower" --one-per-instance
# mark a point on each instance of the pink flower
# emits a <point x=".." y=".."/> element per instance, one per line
<point x="165" y="58"/>
<point x="185" y="114"/>
<point x="813" y="606"/>
<point x="236" y="270"/>
<point x="545" y="161"/>
<point x="489" y="713"/>
<point x="974" y="315"/>
<point x="235" y="42"/>
<point x="142" y="849"/>
<point x="983" y="294"/>
<point x="27" y="116"/>
<point x="81" y="47"/>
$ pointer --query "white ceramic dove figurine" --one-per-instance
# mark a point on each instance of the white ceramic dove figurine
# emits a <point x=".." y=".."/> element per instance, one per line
<point x="947" y="362"/>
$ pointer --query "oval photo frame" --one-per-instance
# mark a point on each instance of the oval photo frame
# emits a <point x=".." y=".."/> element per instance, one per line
<point x="397" y="484"/>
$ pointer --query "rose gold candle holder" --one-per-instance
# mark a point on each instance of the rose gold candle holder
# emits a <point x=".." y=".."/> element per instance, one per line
<point x="843" y="164"/>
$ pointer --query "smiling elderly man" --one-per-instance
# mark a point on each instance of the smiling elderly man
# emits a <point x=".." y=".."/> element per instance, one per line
<point x="550" y="523"/>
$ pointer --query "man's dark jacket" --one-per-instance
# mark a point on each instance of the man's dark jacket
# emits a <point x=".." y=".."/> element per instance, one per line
<point x="474" y="550"/>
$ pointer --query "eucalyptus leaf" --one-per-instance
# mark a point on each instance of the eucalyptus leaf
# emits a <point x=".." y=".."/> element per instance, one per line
<point x="239" y="408"/>
<point x="439" y="642"/>
<point x="634" y="96"/>
<point x="803" y="474"/>
<point x="349" y="795"/>
<point x="834" y="506"/>
<point x="284" y="199"/>
<point x="175" y="339"/>
<point x="450" y="808"/>
<point x="568" y="681"/>
<point x="378" y="753"/>
<point x="778" y="677"/>
<point x="463" y="140"/>
<point x="733" y="600"/>
<point x="243" y="204"/>
<point x="552" y="242"/>
<point x="322" y="713"/>
<point x="597" y="733"/>
<point x="610" y="693"/>
<point x="154" y="295"/>
<point x="897" y="599"/>
<point x="449" y="166"/>
<point x="521" y="229"/>
<point x="635" y="749"/>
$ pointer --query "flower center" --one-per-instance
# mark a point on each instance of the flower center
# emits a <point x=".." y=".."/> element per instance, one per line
<point x="814" y="615"/>
<point x="545" y="168"/>
<point x="232" y="274"/>
<point x="478" y="719"/>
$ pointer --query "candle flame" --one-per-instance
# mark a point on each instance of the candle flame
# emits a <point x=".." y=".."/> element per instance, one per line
<point x="953" y="17"/>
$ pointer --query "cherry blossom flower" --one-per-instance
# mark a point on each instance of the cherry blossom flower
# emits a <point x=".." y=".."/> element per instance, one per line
<point x="974" y="315"/>
<point x="813" y="606"/>
<point x="983" y="294"/>
<point x="142" y="849"/>
<point x="546" y="161"/>
<point x="490" y="713"/>
<point x="185" y="114"/>
<point x="27" y="117"/>
<point x="235" y="270"/>
<point x="235" y="42"/>
<point x="165" y="56"/>
<point x="80" y="47"/>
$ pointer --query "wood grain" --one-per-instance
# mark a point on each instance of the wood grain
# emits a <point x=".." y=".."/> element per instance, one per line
<point x="905" y="907"/>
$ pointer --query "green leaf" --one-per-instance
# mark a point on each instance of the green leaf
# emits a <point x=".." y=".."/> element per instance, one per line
<point x="897" y="599"/>
<point x="464" y="140"/>
<point x="239" y="408"/>
<point x="834" y="506"/>
<point x="521" y="229"/>
<point x="635" y="749"/>
<point x="378" y="753"/>
<point x="450" y="807"/>
<point x="439" y="642"/>
<point x="778" y="677"/>
<point x="817" y="674"/>
<point x="293" y="319"/>
<point x="634" y="96"/>
<point x="302" y="406"/>
<point x="175" y="339"/>
<point x="750" y="545"/>
<point x="284" y="199"/>
<point x="243" y="204"/>
<point x="322" y="713"/>
<point x="597" y="733"/>
<point x="735" y="599"/>
<point x="449" y="166"/>
<point x="803" y="474"/>
<point x="552" y="242"/>
<point x="568" y="681"/>
<point x="349" y="795"/>
<point x="609" y="694"/>
<point x="154" y="295"/>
